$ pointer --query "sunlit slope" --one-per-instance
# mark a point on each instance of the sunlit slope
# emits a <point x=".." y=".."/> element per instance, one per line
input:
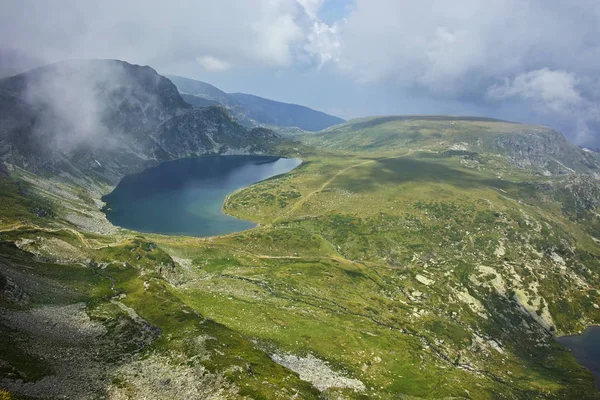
<point x="378" y="275"/>
<point x="85" y="315"/>
<point x="438" y="277"/>
<point x="525" y="146"/>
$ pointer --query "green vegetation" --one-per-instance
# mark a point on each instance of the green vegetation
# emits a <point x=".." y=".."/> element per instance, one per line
<point x="415" y="270"/>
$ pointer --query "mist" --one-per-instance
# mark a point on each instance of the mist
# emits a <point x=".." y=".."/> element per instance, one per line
<point x="84" y="106"/>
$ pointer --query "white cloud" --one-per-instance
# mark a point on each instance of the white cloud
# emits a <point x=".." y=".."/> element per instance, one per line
<point x="555" y="90"/>
<point x="213" y="64"/>
<point x="261" y="33"/>
<point x="478" y="52"/>
<point x="323" y="43"/>
<point x="321" y="40"/>
<point x="556" y="94"/>
<point x="451" y="47"/>
<point x="311" y="7"/>
<point x="277" y="33"/>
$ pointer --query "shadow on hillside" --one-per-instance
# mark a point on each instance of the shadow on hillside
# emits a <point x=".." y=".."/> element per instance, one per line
<point x="397" y="171"/>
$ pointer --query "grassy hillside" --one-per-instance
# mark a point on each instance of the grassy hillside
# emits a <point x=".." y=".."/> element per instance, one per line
<point x="421" y="268"/>
<point x="525" y="146"/>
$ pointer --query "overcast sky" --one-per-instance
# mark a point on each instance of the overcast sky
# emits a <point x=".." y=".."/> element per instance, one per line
<point x="534" y="61"/>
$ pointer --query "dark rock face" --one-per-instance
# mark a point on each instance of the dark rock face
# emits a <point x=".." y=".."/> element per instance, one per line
<point x="3" y="170"/>
<point x="544" y="149"/>
<point x="104" y="117"/>
<point x="81" y="97"/>
<point x="537" y="147"/>
<point x="11" y="292"/>
<point x="198" y="101"/>
<point x="209" y="130"/>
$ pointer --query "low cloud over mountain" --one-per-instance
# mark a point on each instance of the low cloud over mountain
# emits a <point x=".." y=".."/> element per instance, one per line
<point x="526" y="60"/>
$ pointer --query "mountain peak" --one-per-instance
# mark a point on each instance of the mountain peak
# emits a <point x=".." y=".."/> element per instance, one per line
<point x="75" y="115"/>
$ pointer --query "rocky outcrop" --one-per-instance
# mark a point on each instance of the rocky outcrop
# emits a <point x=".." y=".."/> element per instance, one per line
<point x="3" y="170"/>
<point x="475" y="139"/>
<point x="10" y="292"/>
<point x="209" y="130"/>
<point x="541" y="148"/>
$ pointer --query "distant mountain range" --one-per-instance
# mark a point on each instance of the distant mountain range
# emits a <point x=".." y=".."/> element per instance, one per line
<point x="253" y="110"/>
<point x="108" y="118"/>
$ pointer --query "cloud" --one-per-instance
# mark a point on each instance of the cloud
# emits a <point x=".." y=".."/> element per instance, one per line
<point x="91" y="104"/>
<point x="539" y="52"/>
<point x="323" y="43"/>
<point x="261" y="33"/>
<point x="443" y="46"/>
<point x="554" y="94"/>
<point x="432" y="44"/>
<point x="69" y="107"/>
<point x="311" y="7"/>
<point x="556" y="91"/>
<point x="213" y="64"/>
<point x="277" y="31"/>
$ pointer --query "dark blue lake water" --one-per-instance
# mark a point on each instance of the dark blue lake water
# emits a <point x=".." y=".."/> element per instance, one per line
<point x="185" y="197"/>
<point x="586" y="349"/>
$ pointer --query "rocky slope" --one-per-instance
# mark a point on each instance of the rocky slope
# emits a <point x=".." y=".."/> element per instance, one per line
<point x="221" y="134"/>
<point x="106" y="118"/>
<point x="539" y="148"/>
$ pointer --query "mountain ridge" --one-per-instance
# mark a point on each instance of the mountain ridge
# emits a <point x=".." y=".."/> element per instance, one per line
<point x="255" y="110"/>
<point x="523" y="145"/>
<point x="102" y="116"/>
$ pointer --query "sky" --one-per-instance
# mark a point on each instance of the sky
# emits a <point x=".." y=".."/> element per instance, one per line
<point x="533" y="61"/>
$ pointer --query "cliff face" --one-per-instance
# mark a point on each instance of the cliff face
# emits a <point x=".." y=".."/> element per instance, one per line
<point x="209" y="130"/>
<point x="541" y="148"/>
<point x="107" y="118"/>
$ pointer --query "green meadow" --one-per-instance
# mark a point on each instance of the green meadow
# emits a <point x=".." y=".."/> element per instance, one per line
<point x="410" y="255"/>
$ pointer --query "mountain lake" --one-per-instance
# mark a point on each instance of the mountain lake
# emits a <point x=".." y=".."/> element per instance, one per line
<point x="185" y="197"/>
<point x="586" y="349"/>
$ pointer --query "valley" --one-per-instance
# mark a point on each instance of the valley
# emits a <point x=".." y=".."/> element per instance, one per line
<point x="406" y="257"/>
